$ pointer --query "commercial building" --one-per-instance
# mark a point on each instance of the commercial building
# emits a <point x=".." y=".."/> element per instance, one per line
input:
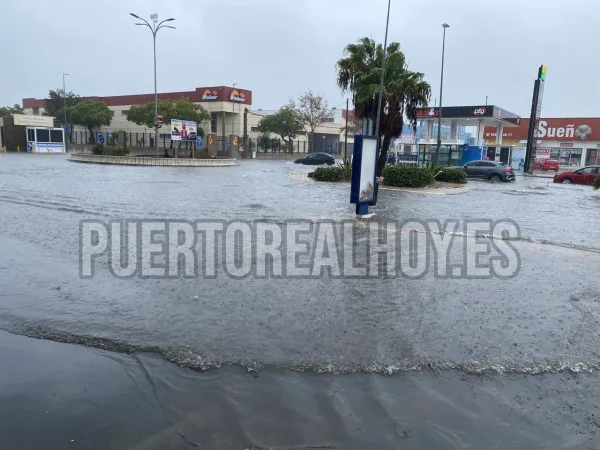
<point x="572" y="141"/>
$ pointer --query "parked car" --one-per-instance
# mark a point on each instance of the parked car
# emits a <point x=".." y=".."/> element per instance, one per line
<point x="587" y="175"/>
<point x="315" y="159"/>
<point x="488" y="170"/>
<point x="546" y="164"/>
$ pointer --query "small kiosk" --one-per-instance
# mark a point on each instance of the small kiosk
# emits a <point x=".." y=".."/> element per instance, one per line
<point x="40" y="133"/>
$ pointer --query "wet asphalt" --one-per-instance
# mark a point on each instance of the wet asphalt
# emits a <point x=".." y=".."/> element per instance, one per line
<point x="533" y="334"/>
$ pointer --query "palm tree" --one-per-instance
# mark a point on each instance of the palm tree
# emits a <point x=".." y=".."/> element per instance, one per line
<point x="404" y="91"/>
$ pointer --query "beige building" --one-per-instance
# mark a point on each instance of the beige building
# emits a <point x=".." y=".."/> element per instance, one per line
<point x="227" y="107"/>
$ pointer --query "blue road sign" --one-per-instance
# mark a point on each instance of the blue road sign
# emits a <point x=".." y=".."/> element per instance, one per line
<point x="199" y="141"/>
<point x="228" y="144"/>
<point x="101" y="138"/>
<point x="67" y="129"/>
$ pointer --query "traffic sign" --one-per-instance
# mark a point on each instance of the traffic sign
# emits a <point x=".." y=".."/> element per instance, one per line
<point x="199" y="141"/>
<point x="101" y="139"/>
<point x="228" y="144"/>
<point x="67" y="129"/>
<point x="110" y="134"/>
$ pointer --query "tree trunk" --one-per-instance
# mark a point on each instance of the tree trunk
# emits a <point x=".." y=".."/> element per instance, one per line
<point x="383" y="154"/>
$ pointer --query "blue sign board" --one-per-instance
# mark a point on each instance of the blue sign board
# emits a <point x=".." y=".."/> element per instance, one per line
<point x="67" y="129"/>
<point x="228" y="143"/>
<point x="29" y="146"/>
<point x="101" y="138"/>
<point x="110" y="134"/>
<point x="199" y="141"/>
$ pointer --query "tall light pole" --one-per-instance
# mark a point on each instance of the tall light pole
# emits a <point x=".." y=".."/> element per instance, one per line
<point x="233" y="111"/>
<point x="387" y="22"/>
<point x="65" y="108"/>
<point x="439" y="136"/>
<point x="154" y="29"/>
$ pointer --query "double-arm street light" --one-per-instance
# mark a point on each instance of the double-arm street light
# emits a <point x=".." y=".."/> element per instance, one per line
<point x="156" y="25"/>
<point x="439" y="136"/>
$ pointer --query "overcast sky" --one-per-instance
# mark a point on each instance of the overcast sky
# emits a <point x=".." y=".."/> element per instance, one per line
<point x="281" y="48"/>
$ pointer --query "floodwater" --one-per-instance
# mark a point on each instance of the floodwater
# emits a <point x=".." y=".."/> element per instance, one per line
<point x="498" y="350"/>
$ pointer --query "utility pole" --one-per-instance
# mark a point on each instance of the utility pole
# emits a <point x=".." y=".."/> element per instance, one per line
<point x="346" y="139"/>
<point x="233" y="111"/>
<point x="382" y="76"/>
<point x="439" y="136"/>
<point x="65" y="108"/>
<point x="154" y="29"/>
<point x="486" y="100"/>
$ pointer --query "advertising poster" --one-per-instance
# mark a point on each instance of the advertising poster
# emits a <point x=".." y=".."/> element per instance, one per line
<point x="183" y="130"/>
<point x="48" y="147"/>
<point x="367" y="170"/>
<point x="518" y="158"/>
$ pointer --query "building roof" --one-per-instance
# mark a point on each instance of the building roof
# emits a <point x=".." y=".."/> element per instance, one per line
<point x="488" y="115"/>
<point x="202" y="94"/>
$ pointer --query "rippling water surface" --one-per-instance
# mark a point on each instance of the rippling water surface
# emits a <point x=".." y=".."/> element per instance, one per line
<point x="544" y="320"/>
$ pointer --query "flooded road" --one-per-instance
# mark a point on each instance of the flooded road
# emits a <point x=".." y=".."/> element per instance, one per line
<point x="429" y="332"/>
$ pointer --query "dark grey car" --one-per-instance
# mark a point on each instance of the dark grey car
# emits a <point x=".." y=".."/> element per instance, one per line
<point x="315" y="159"/>
<point x="488" y="170"/>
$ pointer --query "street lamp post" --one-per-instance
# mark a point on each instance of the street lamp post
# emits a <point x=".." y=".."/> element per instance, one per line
<point x="439" y="136"/>
<point x="382" y="75"/>
<point x="233" y="111"/>
<point x="154" y="29"/>
<point x="65" y="108"/>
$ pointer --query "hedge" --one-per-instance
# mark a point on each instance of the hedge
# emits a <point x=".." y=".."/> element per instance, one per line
<point x="328" y="174"/>
<point x="406" y="176"/>
<point x="100" y="149"/>
<point x="452" y="176"/>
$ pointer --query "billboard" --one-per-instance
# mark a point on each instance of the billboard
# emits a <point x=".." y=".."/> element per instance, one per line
<point x="363" y="186"/>
<point x="33" y="121"/>
<point x="183" y="130"/>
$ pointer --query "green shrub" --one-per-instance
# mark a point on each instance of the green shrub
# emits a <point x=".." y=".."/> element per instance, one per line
<point x="98" y="149"/>
<point x="451" y="176"/>
<point x="346" y="166"/>
<point x="117" y="151"/>
<point x="328" y="174"/>
<point x="411" y="177"/>
<point x="596" y="183"/>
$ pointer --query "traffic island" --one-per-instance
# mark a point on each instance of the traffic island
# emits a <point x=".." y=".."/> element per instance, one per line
<point x="152" y="161"/>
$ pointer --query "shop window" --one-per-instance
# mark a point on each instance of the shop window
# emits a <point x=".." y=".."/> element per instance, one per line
<point x="42" y="135"/>
<point x="213" y="122"/>
<point x="30" y="134"/>
<point x="56" y="136"/>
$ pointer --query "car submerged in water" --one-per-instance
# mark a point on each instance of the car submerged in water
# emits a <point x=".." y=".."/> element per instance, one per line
<point x="587" y="175"/>
<point x="488" y="170"/>
<point x="316" y="159"/>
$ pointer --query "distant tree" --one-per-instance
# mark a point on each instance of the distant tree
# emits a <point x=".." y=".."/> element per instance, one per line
<point x="264" y="141"/>
<point x="285" y="123"/>
<point x="56" y="101"/>
<point x="169" y="109"/>
<point x="313" y="111"/>
<point x="7" y="111"/>
<point x="91" y="115"/>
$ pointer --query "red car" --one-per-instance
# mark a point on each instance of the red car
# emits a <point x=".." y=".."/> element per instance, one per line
<point x="587" y="175"/>
<point x="546" y="164"/>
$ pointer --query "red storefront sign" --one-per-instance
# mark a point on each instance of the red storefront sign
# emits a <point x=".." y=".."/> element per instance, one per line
<point x="577" y="130"/>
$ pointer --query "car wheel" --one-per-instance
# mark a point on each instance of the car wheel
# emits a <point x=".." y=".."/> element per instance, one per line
<point x="495" y="178"/>
<point x="566" y="181"/>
